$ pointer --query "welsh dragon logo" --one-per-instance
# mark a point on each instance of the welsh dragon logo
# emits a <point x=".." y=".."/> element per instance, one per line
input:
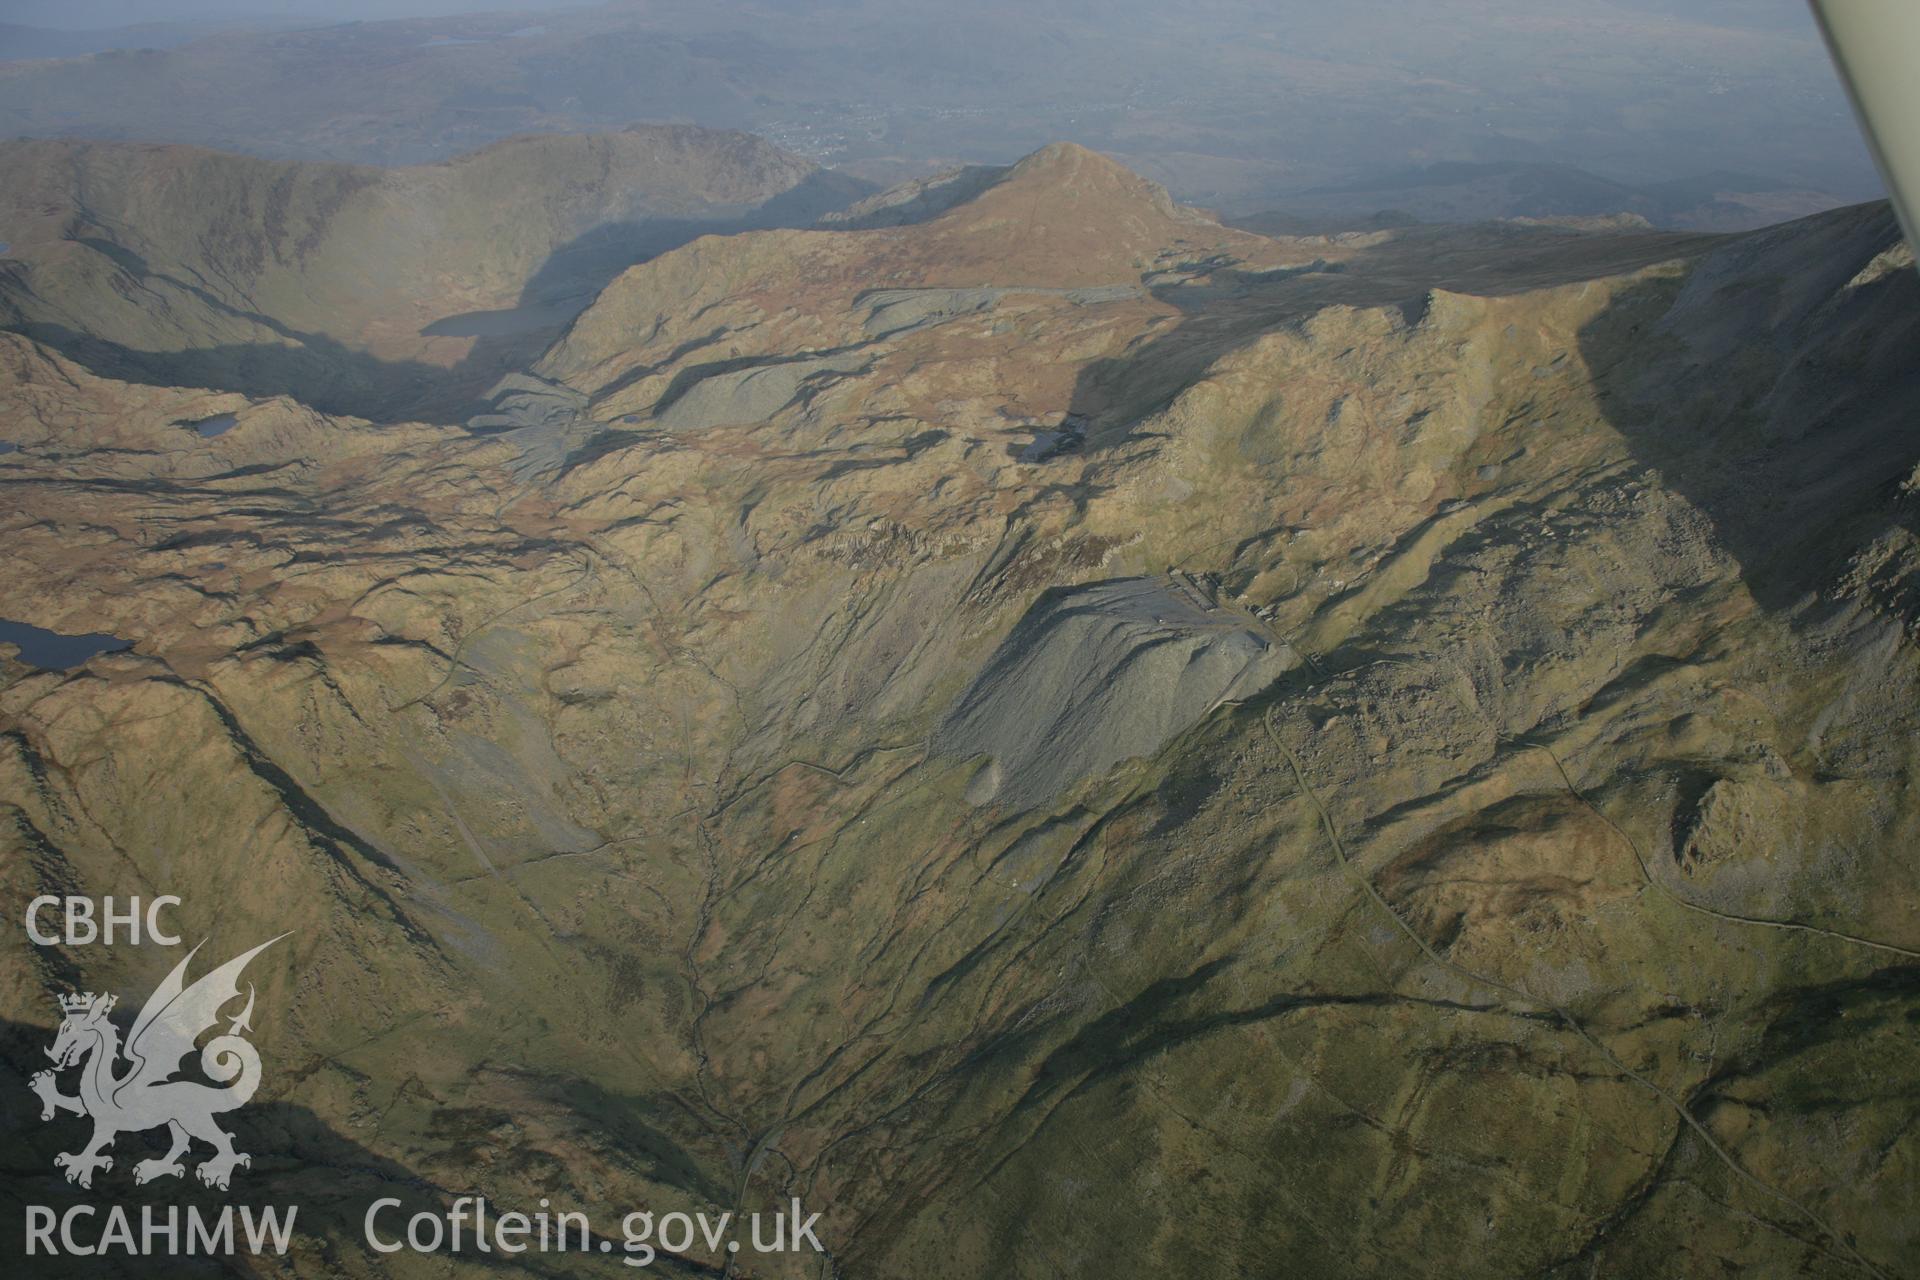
<point x="145" y="1094"/>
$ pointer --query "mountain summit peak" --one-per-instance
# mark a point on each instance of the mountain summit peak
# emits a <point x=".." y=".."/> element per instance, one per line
<point x="1068" y="154"/>
<point x="1065" y="214"/>
<point x="1069" y="168"/>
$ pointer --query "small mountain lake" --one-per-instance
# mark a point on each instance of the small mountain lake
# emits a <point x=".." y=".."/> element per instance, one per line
<point x="7" y="446"/>
<point x="504" y="322"/>
<point x="52" y="651"/>
<point x="218" y="425"/>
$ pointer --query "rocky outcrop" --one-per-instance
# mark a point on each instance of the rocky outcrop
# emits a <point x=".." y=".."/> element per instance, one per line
<point x="1095" y="675"/>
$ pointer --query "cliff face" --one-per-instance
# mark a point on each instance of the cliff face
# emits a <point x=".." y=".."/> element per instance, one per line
<point x="1065" y="736"/>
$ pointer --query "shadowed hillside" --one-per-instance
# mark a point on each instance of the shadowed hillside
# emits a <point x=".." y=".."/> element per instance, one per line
<point x="383" y="293"/>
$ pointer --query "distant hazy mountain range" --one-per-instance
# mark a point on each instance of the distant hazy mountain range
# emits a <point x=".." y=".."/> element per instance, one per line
<point x="1228" y="103"/>
<point x="18" y="43"/>
<point x="1477" y="192"/>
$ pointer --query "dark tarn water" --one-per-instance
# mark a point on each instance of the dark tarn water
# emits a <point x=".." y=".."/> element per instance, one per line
<point x="218" y="425"/>
<point x="7" y="446"/>
<point x="54" y="652"/>
<point x="504" y="322"/>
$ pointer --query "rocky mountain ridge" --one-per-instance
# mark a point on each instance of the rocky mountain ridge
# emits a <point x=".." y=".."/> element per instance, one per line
<point x="1067" y="736"/>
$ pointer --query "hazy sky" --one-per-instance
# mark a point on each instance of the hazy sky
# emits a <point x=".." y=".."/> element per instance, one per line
<point x="1767" y="14"/>
<point x="89" y="14"/>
